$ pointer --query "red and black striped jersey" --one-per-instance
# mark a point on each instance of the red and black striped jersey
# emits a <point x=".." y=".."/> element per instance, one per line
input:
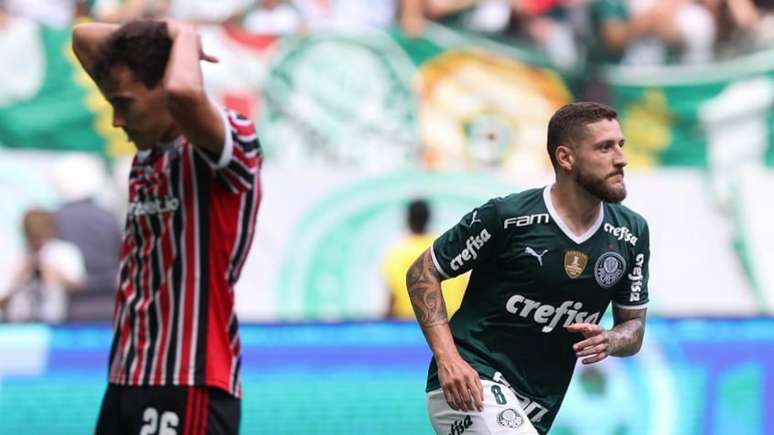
<point x="189" y="226"/>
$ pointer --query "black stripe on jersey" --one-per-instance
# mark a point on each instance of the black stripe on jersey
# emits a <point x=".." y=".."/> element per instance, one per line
<point x="244" y="235"/>
<point x="250" y="146"/>
<point x="237" y="370"/>
<point x="177" y="267"/>
<point x="137" y="288"/>
<point x="244" y="174"/>
<point x="155" y="222"/>
<point x="233" y="327"/>
<point x="202" y="180"/>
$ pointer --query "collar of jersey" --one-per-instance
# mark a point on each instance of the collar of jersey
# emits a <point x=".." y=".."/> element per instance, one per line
<point x="143" y="155"/>
<point x="565" y="229"/>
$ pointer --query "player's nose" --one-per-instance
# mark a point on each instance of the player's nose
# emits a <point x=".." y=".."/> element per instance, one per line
<point x="118" y="121"/>
<point x="619" y="158"/>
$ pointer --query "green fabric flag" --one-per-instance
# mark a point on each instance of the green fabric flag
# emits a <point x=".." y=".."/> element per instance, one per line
<point x="54" y="114"/>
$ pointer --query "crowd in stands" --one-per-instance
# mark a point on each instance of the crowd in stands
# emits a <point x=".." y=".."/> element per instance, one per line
<point x="575" y="36"/>
<point x="632" y="32"/>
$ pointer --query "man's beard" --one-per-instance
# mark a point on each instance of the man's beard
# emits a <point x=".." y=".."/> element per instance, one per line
<point x="598" y="186"/>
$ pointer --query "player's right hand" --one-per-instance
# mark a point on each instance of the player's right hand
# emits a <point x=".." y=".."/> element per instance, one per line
<point x="460" y="384"/>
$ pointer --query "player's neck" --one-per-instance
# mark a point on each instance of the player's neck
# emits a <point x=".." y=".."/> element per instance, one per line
<point x="577" y="208"/>
<point x="171" y="134"/>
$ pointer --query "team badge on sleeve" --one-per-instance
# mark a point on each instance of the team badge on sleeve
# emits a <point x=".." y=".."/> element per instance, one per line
<point x="609" y="269"/>
<point x="574" y="263"/>
<point x="509" y="418"/>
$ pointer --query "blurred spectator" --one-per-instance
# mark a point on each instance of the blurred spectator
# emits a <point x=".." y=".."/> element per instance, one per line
<point x="207" y="11"/>
<point x="94" y="230"/>
<point x="52" y="13"/>
<point x="743" y="25"/>
<point x="400" y="257"/>
<point x="119" y="11"/>
<point x="645" y="32"/>
<point x="544" y="23"/>
<point x="52" y="269"/>
<point x="273" y="17"/>
<point x="651" y="32"/>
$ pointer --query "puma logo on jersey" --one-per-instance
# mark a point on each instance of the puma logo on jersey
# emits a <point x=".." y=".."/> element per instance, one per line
<point x="523" y="221"/>
<point x="473" y="219"/>
<point x="539" y="257"/>
<point x="549" y="315"/>
<point x="472" y="247"/>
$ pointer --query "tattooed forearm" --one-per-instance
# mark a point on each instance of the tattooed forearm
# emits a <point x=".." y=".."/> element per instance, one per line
<point x="424" y="287"/>
<point x="629" y="331"/>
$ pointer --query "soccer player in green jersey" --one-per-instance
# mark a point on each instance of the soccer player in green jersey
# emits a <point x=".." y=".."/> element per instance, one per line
<point x="546" y="263"/>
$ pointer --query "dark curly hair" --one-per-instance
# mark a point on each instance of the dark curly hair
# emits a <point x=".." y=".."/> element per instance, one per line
<point x="143" y="46"/>
<point x="570" y="122"/>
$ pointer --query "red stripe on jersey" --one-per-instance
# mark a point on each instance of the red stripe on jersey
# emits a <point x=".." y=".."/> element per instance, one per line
<point x="185" y="372"/>
<point x="222" y="298"/>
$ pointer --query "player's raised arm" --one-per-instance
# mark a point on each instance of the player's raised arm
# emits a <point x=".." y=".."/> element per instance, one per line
<point x="87" y="40"/>
<point x="460" y="383"/>
<point x="195" y="115"/>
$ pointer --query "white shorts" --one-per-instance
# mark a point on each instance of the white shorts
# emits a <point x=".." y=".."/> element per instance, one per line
<point x="502" y="414"/>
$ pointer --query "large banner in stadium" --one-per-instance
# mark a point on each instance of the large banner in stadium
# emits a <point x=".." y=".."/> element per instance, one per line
<point x="357" y="122"/>
<point x="374" y="98"/>
<point x="692" y="377"/>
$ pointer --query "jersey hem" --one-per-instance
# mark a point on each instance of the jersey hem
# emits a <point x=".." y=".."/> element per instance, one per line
<point x="630" y="307"/>
<point x="222" y="385"/>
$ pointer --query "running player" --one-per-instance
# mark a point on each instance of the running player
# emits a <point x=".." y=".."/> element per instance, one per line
<point x="194" y="190"/>
<point x="546" y="263"/>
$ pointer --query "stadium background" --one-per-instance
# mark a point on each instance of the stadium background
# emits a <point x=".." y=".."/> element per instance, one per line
<point x="356" y="120"/>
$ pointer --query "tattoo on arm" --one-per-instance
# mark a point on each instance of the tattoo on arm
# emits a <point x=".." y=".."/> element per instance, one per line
<point x="424" y="287"/>
<point x="630" y="329"/>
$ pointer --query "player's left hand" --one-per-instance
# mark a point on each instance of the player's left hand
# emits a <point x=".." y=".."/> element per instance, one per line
<point x="597" y="345"/>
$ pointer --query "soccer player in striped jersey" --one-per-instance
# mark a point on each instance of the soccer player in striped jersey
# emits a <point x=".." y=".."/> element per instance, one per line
<point x="546" y="264"/>
<point x="194" y="190"/>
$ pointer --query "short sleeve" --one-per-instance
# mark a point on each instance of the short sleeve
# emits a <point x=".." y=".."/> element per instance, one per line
<point x="633" y="292"/>
<point x="468" y="243"/>
<point x="241" y="157"/>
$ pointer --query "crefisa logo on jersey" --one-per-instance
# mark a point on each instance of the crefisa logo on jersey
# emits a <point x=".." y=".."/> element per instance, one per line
<point x="549" y="315"/>
<point x="609" y="269"/>
<point x="472" y="246"/>
<point x="636" y="278"/>
<point x="459" y="426"/>
<point x="622" y="233"/>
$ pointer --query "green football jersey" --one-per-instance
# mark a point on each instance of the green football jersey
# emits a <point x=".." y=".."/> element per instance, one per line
<point x="531" y="278"/>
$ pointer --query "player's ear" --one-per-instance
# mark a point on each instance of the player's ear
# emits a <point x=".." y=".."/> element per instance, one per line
<point x="565" y="157"/>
